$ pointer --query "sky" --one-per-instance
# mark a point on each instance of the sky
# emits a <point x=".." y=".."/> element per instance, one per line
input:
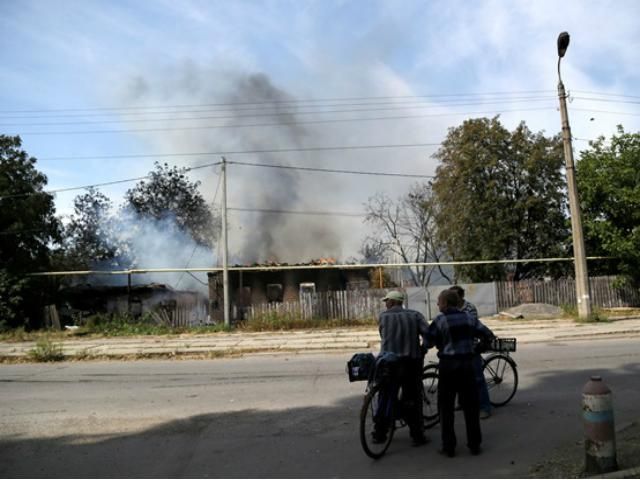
<point x="100" y="90"/>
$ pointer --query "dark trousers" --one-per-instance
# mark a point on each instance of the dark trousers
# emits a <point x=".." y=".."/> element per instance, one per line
<point x="457" y="377"/>
<point x="408" y="375"/>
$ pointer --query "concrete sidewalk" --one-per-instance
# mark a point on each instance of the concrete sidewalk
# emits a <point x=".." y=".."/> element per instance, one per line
<point x="355" y="339"/>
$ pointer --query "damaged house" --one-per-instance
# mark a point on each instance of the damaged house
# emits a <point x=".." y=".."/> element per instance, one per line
<point x="310" y="288"/>
<point x="165" y="305"/>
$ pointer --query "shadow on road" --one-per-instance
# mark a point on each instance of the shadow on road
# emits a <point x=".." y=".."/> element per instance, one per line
<point x="322" y="441"/>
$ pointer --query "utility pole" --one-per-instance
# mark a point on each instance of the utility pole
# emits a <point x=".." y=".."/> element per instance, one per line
<point x="225" y="245"/>
<point x="582" y="276"/>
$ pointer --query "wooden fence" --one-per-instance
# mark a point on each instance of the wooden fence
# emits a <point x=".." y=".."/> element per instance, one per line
<point x="340" y="305"/>
<point x="560" y="292"/>
<point x="186" y="311"/>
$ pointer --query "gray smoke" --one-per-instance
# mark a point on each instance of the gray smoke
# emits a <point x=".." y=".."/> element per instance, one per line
<point x="239" y="100"/>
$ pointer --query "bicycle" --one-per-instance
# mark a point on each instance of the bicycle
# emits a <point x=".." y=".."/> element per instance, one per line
<point x="500" y="372"/>
<point x="383" y="397"/>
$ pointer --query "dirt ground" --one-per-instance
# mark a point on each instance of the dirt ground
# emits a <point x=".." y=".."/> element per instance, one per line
<point x="568" y="461"/>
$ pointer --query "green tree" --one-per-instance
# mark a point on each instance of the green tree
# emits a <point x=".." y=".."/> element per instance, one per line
<point x="501" y="196"/>
<point x="406" y="231"/>
<point x="170" y="194"/>
<point x="28" y="226"/>
<point x="90" y="237"/>
<point x="608" y="178"/>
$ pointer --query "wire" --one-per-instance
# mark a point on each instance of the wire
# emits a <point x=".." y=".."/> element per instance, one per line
<point x="327" y="170"/>
<point x="258" y="108"/>
<point x="606" y="100"/>
<point x="243" y="152"/>
<point x="289" y="113"/>
<point x="281" y="124"/>
<point x="278" y="102"/>
<point x="603" y="111"/>
<point x="606" y="94"/>
<point x="298" y="212"/>
<point x="195" y="245"/>
<point x="197" y="279"/>
<point x="84" y="187"/>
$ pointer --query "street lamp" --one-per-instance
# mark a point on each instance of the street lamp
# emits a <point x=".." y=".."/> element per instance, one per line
<point x="579" y="259"/>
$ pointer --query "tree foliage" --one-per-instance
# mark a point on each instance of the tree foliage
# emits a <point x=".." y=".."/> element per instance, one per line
<point x="90" y="236"/>
<point x="608" y="178"/>
<point x="405" y="229"/>
<point x="170" y="194"/>
<point x="501" y="196"/>
<point x="27" y="227"/>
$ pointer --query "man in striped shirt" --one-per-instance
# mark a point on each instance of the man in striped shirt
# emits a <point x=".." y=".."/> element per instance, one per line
<point x="454" y="332"/>
<point x="401" y="331"/>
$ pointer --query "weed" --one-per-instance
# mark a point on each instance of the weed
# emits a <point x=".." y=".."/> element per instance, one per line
<point x="46" y="351"/>
<point x="597" y="314"/>
<point x="274" y="321"/>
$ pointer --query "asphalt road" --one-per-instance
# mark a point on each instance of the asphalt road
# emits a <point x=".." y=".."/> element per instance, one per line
<point x="278" y="416"/>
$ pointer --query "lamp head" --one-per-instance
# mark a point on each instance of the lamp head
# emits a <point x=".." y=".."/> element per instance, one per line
<point x="563" y="43"/>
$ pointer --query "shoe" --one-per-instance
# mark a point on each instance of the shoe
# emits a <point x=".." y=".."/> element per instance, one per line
<point x="447" y="452"/>
<point x="484" y="414"/>
<point x="475" y="450"/>
<point x="418" y="441"/>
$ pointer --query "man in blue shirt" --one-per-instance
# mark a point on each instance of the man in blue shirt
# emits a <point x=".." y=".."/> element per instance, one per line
<point x="478" y="362"/>
<point x="454" y="332"/>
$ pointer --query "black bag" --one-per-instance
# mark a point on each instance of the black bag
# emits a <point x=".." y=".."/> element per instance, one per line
<point x="360" y="366"/>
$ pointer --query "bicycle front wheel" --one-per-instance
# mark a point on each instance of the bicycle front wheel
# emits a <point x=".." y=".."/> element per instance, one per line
<point x="501" y="376"/>
<point x="430" y="412"/>
<point x="376" y="413"/>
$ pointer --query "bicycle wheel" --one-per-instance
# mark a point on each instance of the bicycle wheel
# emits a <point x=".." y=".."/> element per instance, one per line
<point x="430" y="413"/>
<point x="373" y="406"/>
<point x="501" y="376"/>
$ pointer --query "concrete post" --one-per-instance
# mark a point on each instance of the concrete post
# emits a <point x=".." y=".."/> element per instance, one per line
<point x="599" y="430"/>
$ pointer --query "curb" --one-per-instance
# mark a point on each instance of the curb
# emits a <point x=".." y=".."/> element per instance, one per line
<point x="628" y="473"/>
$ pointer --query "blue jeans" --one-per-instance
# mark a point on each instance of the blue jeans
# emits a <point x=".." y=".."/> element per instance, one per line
<point x="483" y="391"/>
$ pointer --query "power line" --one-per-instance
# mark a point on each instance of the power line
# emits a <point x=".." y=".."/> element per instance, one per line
<point x="276" y="108"/>
<point x="187" y="169"/>
<point x="246" y="152"/>
<point x="298" y="212"/>
<point x="606" y="100"/>
<point x="319" y="110"/>
<point x="289" y="113"/>
<point x="104" y="184"/>
<point x="606" y="94"/>
<point x="603" y="111"/>
<point x="282" y="124"/>
<point x="278" y="102"/>
<point x="327" y="170"/>
<point x="195" y="245"/>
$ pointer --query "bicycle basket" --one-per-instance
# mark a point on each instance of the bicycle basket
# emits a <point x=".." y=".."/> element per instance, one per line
<point x="360" y="366"/>
<point x="503" y="345"/>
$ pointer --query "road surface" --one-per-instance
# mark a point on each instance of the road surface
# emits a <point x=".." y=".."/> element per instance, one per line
<point x="278" y="416"/>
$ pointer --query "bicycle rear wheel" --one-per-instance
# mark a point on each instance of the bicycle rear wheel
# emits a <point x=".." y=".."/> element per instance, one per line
<point x="430" y="413"/>
<point x="373" y="406"/>
<point x="501" y="376"/>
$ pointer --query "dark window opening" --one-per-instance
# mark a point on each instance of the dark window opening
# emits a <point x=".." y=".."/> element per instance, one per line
<point x="274" y="292"/>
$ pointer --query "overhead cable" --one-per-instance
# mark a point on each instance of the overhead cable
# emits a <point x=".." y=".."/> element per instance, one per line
<point x="282" y="124"/>
<point x="327" y="170"/>
<point x="278" y="102"/>
<point x="246" y="152"/>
